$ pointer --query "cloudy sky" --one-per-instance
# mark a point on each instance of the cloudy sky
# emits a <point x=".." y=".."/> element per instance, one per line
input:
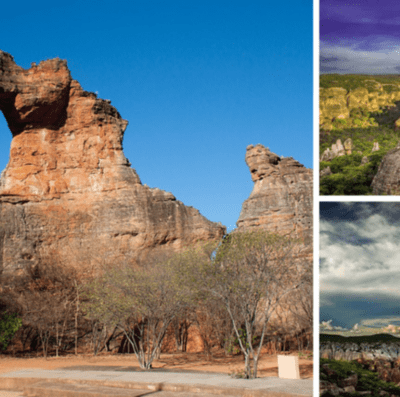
<point x="359" y="263"/>
<point x="360" y="36"/>
<point x="198" y="81"/>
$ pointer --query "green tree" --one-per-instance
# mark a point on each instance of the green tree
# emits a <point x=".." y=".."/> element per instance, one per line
<point x="141" y="302"/>
<point x="9" y="325"/>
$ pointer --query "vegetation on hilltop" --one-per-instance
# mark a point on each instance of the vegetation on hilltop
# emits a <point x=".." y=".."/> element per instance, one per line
<point x="353" y="81"/>
<point x="363" y="108"/>
<point x="377" y="338"/>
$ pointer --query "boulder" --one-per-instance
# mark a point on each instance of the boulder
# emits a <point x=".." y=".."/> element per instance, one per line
<point x="387" y="179"/>
<point x="348" y="145"/>
<point x="327" y="155"/>
<point x="325" y="172"/>
<point x="338" y="148"/>
<point x="375" y="147"/>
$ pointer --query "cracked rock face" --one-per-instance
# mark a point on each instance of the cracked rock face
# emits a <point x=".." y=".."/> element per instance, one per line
<point x="281" y="200"/>
<point x="387" y="178"/>
<point x="68" y="192"/>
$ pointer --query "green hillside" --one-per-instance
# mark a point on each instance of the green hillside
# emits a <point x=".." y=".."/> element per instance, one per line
<point x="364" y="109"/>
<point x="372" y="339"/>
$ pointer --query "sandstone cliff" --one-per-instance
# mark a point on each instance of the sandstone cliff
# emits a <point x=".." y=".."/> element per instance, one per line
<point x="68" y="191"/>
<point x="281" y="200"/>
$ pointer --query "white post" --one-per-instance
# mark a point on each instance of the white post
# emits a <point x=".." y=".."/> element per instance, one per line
<point x="288" y="367"/>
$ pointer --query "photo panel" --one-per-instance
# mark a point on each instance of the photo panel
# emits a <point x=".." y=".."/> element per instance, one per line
<point x="359" y="98"/>
<point x="359" y="329"/>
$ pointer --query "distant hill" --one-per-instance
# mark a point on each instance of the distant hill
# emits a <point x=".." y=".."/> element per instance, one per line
<point x="373" y="339"/>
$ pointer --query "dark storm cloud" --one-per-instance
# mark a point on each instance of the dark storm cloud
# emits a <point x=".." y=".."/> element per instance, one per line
<point x="337" y="13"/>
<point x="326" y="69"/>
<point x="328" y="59"/>
<point x="348" y="211"/>
<point x="351" y="309"/>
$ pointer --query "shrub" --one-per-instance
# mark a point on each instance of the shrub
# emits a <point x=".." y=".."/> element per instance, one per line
<point x="9" y="325"/>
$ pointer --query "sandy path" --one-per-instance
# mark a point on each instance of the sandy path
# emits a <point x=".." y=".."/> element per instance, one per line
<point x="268" y="365"/>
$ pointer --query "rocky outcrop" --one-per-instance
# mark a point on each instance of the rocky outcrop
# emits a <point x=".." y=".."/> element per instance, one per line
<point x="325" y="172"/>
<point x="68" y="192"/>
<point x="345" y="385"/>
<point x="336" y="150"/>
<point x="387" y="179"/>
<point x="281" y="200"/>
<point x="352" y="351"/>
<point x="365" y="377"/>
<point x="338" y="103"/>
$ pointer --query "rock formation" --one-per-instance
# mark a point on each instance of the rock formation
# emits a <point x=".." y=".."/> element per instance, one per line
<point x="325" y="172"/>
<point x="337" y="102"/>
<point x="281" y="200"/>
<point x="350" y="350"/>
<point x="337" y="150"/>
<point x="68" y="191"/>
<point x="387" y="179"/>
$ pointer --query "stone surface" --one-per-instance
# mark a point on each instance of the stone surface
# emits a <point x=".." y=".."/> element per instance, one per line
<point x="337" y="102"/>
<point x="348" y="145"/>
<point x="281" y="200"/>
<point x="337" y="150"/>
<point x="325" y="172"/>
<point x="68" y="191"/>
<point x="375" y="147"/>
<point x="387" y="179"/>
<point x="333" y="104"/>
<point x="364" y="160"/>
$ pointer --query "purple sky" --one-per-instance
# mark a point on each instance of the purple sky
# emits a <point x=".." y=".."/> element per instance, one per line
<point x="360" y="36"/>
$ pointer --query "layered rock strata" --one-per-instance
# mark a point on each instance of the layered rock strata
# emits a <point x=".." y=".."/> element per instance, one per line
<point x="281" y="200"/>
<point x="68" y="193"/>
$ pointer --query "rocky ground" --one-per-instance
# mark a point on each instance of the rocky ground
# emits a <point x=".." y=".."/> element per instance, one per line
<point x="361" y="377"/>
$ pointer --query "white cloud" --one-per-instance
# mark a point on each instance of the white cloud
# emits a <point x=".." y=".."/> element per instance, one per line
<point x="350" y="56"/>
<point x="351" y="265"/>
<point x="380" y="322"/>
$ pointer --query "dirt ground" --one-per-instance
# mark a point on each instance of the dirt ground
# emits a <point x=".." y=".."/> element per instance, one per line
<point x="268" y="364"/>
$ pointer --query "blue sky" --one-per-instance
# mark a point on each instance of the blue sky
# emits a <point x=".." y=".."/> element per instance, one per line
<point x="198" y="81"/>
<point x="360" y="36"/>
<point x="359" y="263"/>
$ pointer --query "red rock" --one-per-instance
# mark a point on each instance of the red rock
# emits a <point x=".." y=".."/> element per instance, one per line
<point x="68" y="191"/>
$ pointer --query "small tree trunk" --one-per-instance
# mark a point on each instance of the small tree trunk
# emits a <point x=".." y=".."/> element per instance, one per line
<point x="247" y="368"/>
<point x="76" y="318"/>
<point x="255" y="365"/>
<point x="57" y="340"/>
